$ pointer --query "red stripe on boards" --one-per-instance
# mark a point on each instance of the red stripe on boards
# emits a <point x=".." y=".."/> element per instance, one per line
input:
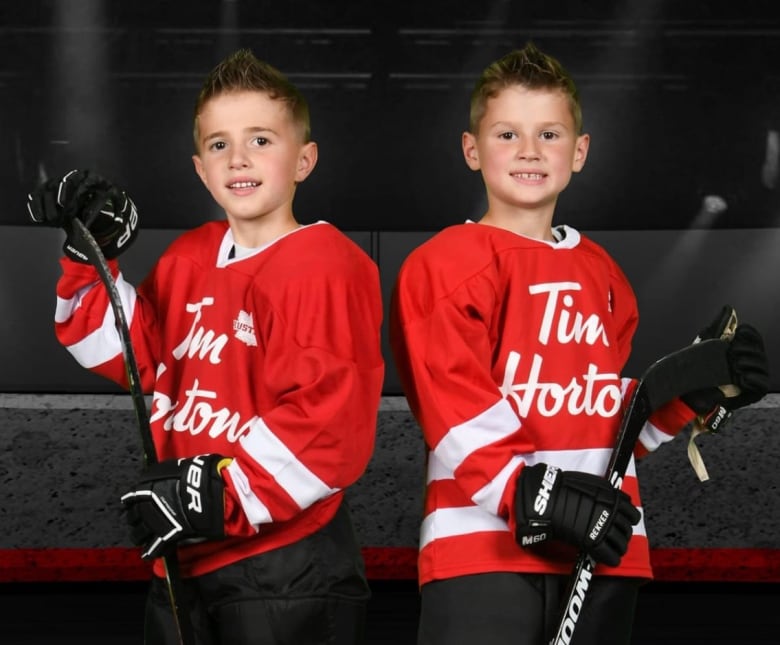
<point x="382" y="563"/>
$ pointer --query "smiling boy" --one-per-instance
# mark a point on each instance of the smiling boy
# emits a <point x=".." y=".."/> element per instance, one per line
<point x="510" y="335"/>
<point x="260" y="340"/>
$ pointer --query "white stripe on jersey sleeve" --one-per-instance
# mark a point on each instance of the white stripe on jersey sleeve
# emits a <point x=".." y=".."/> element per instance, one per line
<point x="494" y="424"/>
<point x="66" y="306"/>
<point x="652" y="437"/>
<point x="489" y="496"/>
<point x="104" y="343"/>
<point x="300" y="483"/>
<point x="449" y="522"/>
<point x="256" y="512"/>
<point x="593" y="461"/>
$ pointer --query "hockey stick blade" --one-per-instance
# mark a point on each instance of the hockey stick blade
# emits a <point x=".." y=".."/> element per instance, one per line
<point x="693" y="367"/>
<point x="97" y="259"/>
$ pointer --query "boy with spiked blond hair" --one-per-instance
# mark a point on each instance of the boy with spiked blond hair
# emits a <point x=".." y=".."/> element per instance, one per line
<point x="259" y="338"/>
<point x="510" y="335"/>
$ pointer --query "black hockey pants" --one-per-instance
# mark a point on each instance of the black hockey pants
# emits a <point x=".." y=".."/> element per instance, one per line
<point x="313" y="592"/>
<point x="522" y="609"/>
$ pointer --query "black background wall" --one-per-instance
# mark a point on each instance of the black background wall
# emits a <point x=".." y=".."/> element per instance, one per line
<point x="680" y="98"/>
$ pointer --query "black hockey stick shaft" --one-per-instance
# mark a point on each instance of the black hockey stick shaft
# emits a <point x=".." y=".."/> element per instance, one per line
<point x="170" y="562"/>
<point x="694" y="367"/>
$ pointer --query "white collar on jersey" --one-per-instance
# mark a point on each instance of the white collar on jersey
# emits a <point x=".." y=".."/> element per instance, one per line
<point x="565" y="236"/>
<point x="230" y="251"/>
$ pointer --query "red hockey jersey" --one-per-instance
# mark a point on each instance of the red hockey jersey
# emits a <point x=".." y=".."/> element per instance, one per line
<point x="510" y="351"/>
<point x="273" y="359"/>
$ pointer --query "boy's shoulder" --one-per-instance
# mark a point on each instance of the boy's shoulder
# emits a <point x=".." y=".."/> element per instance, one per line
<point x="451" y="242"/>
<point x="589" y="245"/>
<point x="470" y="244"/>
<point x="464" y="250"/>
<point x="324" y="242"/>
<point x="320" y="241"/>
<point x="201" y="235"/>
<point x="197" y="244"/>
<point x="318" y="251"/>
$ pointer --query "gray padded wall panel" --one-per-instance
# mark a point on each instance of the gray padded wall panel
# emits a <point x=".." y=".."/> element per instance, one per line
<point x="681" y="278"/>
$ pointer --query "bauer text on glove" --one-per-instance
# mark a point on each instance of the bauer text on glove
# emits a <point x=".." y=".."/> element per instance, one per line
<point x="174" y="501"/>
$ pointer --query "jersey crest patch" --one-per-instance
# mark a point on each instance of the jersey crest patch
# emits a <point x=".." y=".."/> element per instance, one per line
<point x="245" y="328"/>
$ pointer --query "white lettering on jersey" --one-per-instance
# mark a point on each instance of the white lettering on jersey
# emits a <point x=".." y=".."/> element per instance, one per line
<point x="587" y="394"/>
<point x="200" y="341"/>
<point x="591" y="393"/>
<point x="195" y="414"/>
<point x="589" y="329"/>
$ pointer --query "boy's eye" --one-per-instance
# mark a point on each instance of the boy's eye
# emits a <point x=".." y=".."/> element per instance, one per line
<point x="548" y="135"/>
<point x="260" y="141"/>
<point x="507" y="136"/>
<point x="217" y="145"/>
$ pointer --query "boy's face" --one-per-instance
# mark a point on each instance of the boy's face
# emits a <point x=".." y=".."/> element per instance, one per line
<point x="251" y="155"/>
<point x="526" y="148"/>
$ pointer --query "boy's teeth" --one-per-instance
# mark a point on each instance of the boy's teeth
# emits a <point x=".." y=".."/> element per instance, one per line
<point x="244" y="184"/>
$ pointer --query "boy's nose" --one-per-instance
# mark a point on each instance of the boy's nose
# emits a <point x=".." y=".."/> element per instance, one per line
<point x="527" y="149"/>
<point x="238" y="159"/>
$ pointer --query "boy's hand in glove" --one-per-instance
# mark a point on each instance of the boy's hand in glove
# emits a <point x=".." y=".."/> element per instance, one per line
<point x="749" y="367"/>
<point x="107" y="211"/>
<point x="176" y="500"/>
<point x="578" y="508"/>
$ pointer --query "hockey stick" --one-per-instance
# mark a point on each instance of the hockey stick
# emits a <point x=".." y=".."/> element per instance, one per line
<point x="694" y="367"/>
<point x="720" y="417"/>
<point x="170" y="562"/>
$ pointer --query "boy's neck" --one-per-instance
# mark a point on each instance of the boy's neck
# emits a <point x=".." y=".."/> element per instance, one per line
<point x="531" y="224"/>
<point x="257" y="232"/>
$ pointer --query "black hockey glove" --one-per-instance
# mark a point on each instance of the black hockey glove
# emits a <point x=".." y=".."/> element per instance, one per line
<point x="578" y="508"/>
<point x="749" y="368"/>
<point x="176" y="500"/>
<point x="108" y="213"/>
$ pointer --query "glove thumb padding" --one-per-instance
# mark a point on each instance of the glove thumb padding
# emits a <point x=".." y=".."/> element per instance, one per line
<point x="749" y="366"/>
<point x="43" y="207"/>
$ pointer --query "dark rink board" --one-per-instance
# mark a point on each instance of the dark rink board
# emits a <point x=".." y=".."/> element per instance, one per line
<point x="68" y="458"/>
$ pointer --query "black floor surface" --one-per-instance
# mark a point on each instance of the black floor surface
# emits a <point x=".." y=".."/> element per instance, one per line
<point x="110" y="614"/>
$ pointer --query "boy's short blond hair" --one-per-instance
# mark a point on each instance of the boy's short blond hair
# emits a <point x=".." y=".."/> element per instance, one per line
<point x="243" y="72"/>
<point x="530" y="68"/>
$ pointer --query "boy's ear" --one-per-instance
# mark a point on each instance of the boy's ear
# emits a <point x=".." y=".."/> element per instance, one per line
<point x="199" y="169"/>
<point x="307" y="159"/>
<point x="580" y="152"/>
<point x="470" y="154"/>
